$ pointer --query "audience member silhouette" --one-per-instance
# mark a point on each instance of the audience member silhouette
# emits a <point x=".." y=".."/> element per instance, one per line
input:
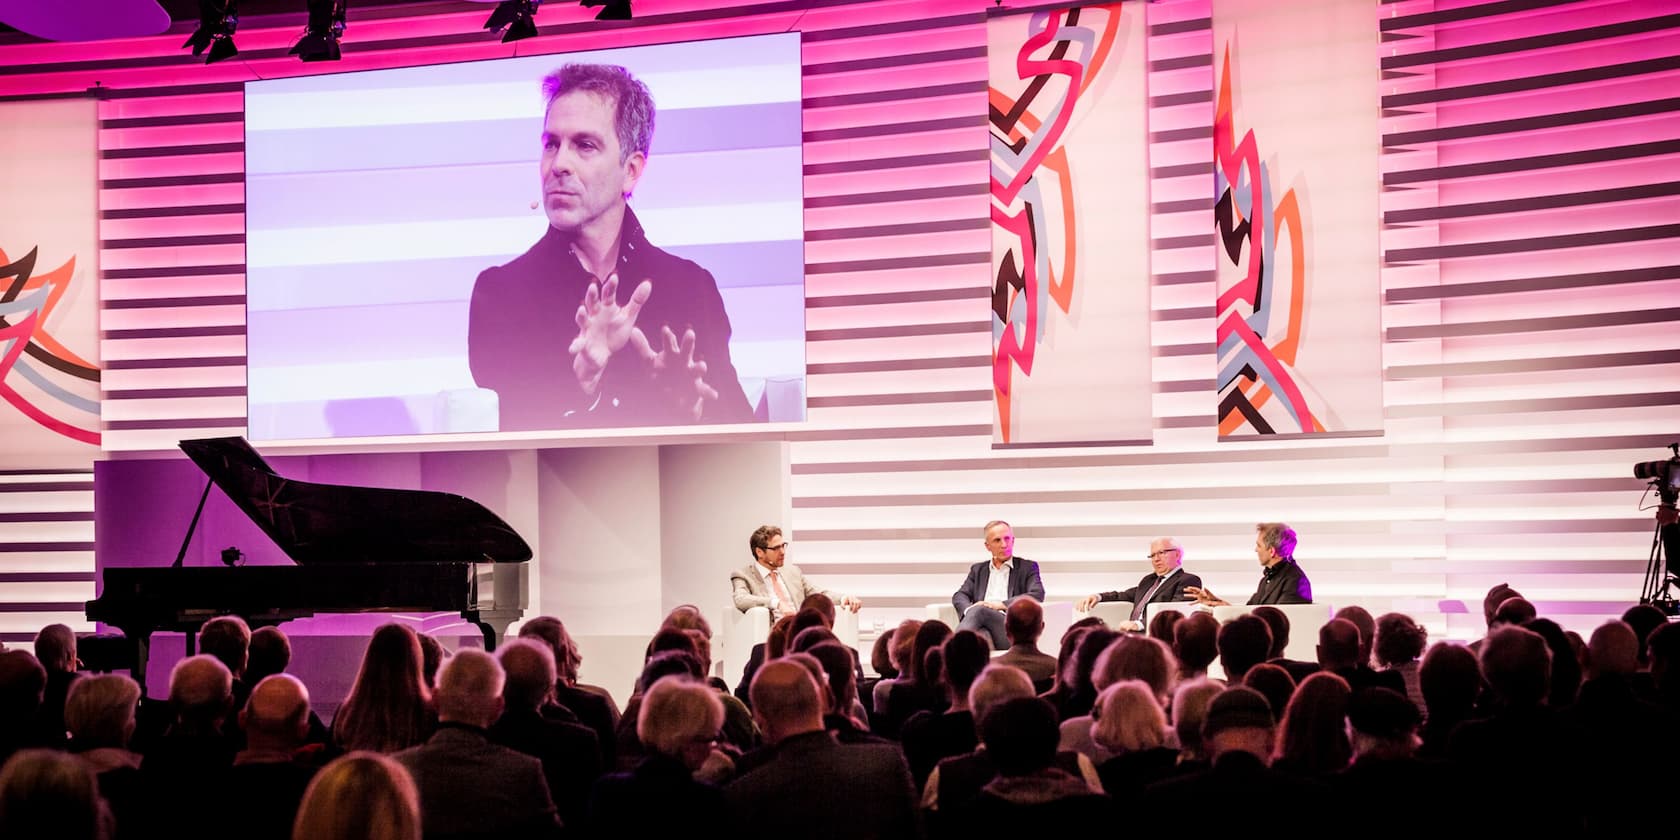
<point x="389" y="707"/>
<point x="1313" y="738"/>
<point x="1023" y="622"/>
<point x="796" y="789"/>
<point x="55" y="649"/>
<point x="268" y="778"/>
<point x="678" y="724"/>
<point x="49" y="793"/>
<point x="1243" y="642"/>
<point x="1132" y="729"/>
<point x="360" y="796"/>
<point x="470" y="786"/>
<point x="1399" y="647"/>
<point x="570" y="753"/>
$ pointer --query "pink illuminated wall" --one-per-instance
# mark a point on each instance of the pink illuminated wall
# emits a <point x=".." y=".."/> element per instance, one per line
<point x="1529" y="225"/>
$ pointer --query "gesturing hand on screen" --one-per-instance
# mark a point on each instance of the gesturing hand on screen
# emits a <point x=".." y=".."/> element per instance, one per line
<point x="603" y="328"/>
<point x="684" y="378"/>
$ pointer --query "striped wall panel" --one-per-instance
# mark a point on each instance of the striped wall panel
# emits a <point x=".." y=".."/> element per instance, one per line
<point x="1528" y="277"/>
<point x="46" y="551"/>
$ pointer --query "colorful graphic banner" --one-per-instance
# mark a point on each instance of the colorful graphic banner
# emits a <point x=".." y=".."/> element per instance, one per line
<point x="1296" y="186"/>
<point x="49" y="305"/>
<point x="1070" y="227"/>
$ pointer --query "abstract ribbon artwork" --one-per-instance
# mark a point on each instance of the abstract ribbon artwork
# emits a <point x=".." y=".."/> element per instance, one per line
<point x="39" y="376"/>
<point x="1259" y="324"/>
<point x="1069" y="240"/>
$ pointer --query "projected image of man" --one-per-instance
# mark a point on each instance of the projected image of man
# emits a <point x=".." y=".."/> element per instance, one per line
<point x="594" y="325"/>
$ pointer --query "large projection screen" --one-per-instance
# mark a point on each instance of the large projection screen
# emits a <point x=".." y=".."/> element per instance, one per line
<point x="376" y="200"/>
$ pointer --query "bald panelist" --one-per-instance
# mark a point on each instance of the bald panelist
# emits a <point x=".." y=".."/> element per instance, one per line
<point x="1166" y="581"/>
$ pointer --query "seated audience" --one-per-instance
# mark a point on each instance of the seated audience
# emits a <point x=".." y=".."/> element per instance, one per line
<point x="903" y="647"/>
<point x="1164" y="623"/>
<point x="1243" y="642"/>
<point x="1339" y="647"/>
<point x="468" y="785"/>
<point x="592" y="705"/>
<point x="1074" y="693"/>
<point x="1313" y="740"/>
<point x="1129" y="657"/>
<point x="796" y="789"/>
<point x="1189" y="712"/>
<point x="1399" y="648"/>
<point x="1195" y="644"/>
<point x="1566" y="664"/>
<point x="569" y="752"/>
<point x="1278" y="623"/>
<point x="1274" y="683"/>
<point x="1524" y="751"/>
<point x="1385" y="770"/>
<point x="228" y="638"/>
<point x="1024" y="624"/>
<point x="845" y="719"/>
<point x="1030" y="794"/>
<point x="931" y="736"/>
<point x="270" y="653"/>
<point x="677" y="724"/>
<point x="23" y="684"/>
<point x="389" y="707"/>
<point x="55" y="649"/>
<point x="1362" y="619"/>
<point x="921" y="690"/>
<point x="360" y="796"/>
<point x="47" y="793"/>
<point x="1238" y="733"/>
<point x="1132" y="728"/>
<point x="1450" y="680"/>
<point x="268" y="779"/>
<point x="956" y="781"/>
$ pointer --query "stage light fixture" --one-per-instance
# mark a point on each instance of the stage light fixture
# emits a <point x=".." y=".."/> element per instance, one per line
<point x="321" y="33"/>
<point x="217" y="20"/>
<point x="610" y="9"/>
<point x="516" y="16"/>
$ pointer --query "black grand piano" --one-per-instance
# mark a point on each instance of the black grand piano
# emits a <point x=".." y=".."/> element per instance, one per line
<point x="357" y="549"/>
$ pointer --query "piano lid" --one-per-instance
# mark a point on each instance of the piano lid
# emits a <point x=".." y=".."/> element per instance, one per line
<point x="318" y="524"/>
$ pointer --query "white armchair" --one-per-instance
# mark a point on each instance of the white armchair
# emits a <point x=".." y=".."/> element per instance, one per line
<point x="1111" y="612"/>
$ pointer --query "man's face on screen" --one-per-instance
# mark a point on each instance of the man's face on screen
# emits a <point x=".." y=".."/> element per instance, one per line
<point x="584" y="178"/>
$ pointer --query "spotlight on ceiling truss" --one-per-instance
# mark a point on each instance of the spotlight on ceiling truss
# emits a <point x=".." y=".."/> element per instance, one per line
<point x="217" y="20"/>
<point x="515" y="16"/>
<point x="321" y="33"/>
<point x="611" y="9"/>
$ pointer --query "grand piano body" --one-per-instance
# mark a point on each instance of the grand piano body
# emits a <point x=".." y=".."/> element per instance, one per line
<point x="357" y="549"/>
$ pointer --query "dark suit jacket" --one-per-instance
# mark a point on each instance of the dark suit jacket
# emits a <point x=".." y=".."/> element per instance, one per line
<point x="1282" y="583"/>
<point x="470" y="787"/>
<point x="1172" y="590"/>
<point x="521" y="323"/>
<point x="818" y="788"/>
<point x="570" y="754"/>
<point x="657" y="798"/>
<point x="1023" y="580"/>
<point x="1039" y="666"/>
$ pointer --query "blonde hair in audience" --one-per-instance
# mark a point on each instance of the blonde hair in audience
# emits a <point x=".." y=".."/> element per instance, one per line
<point x="1129" y="718"/>
<point x="360" y="796"/>
<point x="99" y="710"/>
<point x="47" y="793"/>
<point x="676" y="713"/>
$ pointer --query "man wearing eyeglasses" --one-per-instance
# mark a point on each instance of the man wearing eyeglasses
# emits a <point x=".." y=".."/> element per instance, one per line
<point x="770" y="581"/>
<point x="1166" y="581"/>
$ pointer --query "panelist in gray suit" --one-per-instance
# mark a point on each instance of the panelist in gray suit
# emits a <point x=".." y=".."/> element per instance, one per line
<point x="770" y="581"/>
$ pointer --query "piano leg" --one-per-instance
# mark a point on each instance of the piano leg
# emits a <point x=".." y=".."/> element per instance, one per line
<point x="142" y="654"/>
